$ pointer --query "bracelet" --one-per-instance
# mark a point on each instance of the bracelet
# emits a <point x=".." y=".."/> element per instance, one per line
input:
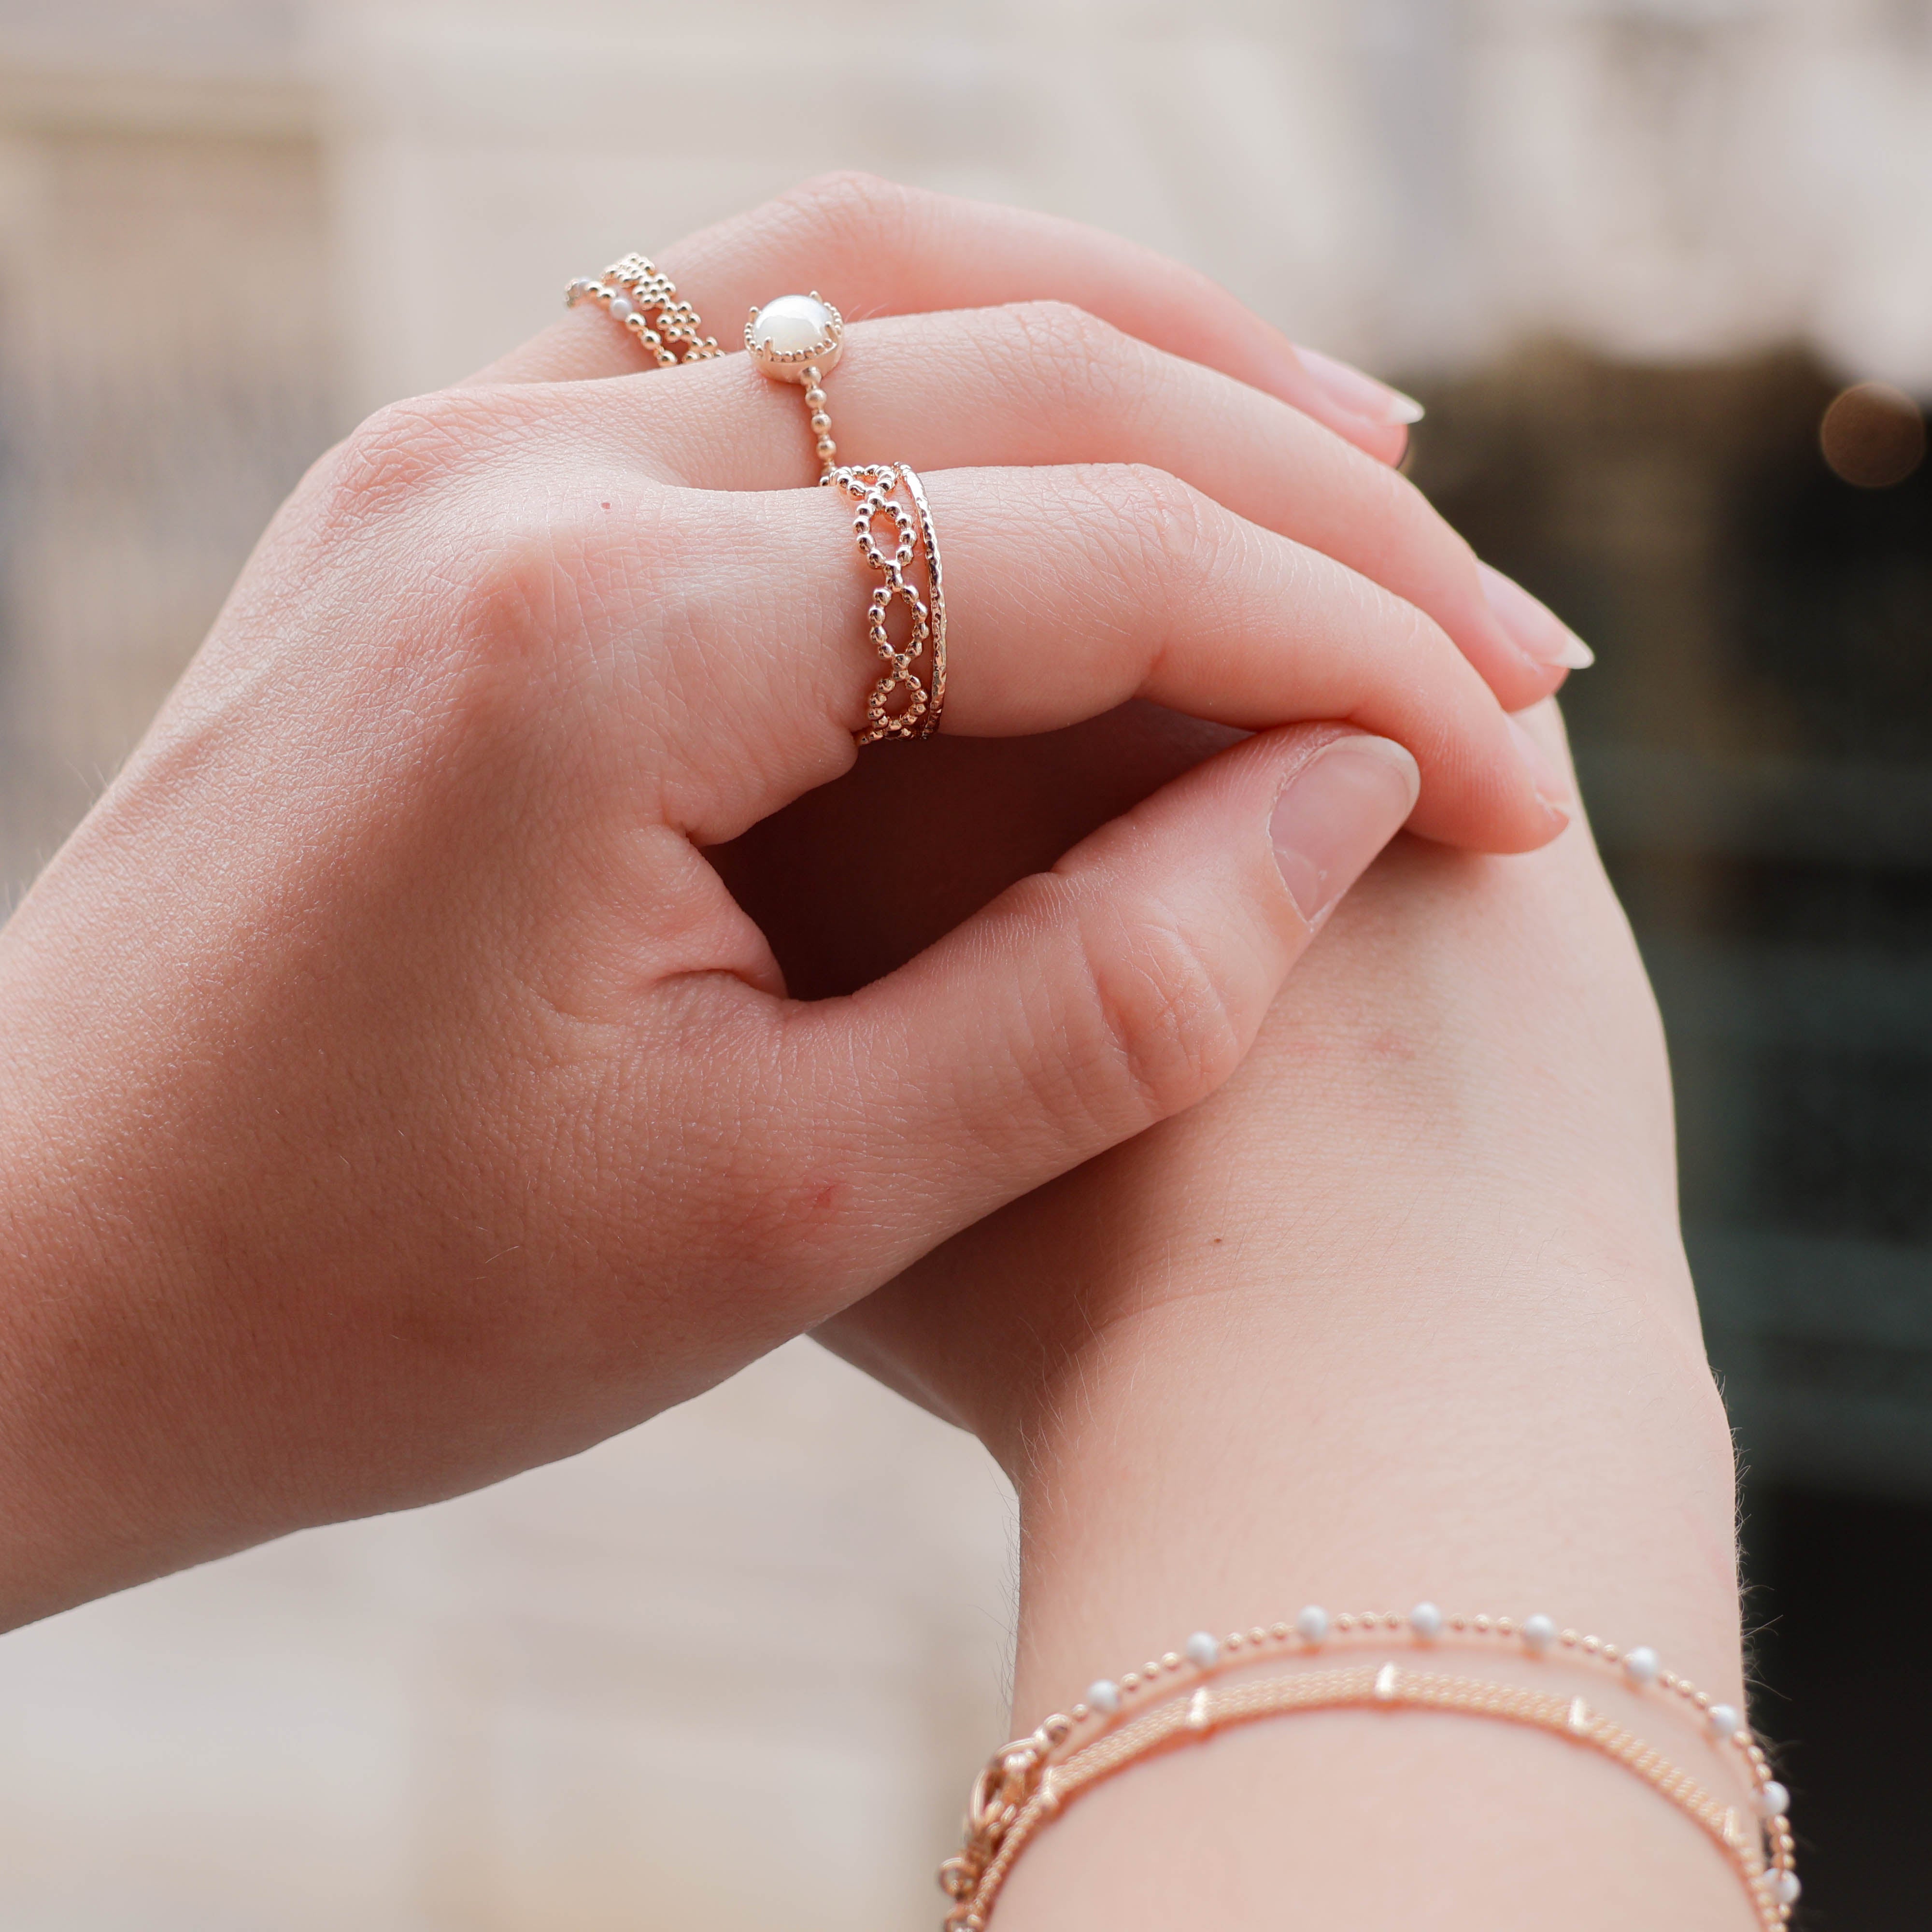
<point x="641" y="296"/>
<point x="1028" y="1782"/>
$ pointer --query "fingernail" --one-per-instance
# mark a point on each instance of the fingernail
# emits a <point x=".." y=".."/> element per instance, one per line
<point x="1551" y="787"/>
<point x="1336" y="814"/>
<point x="1360" y="395"/>
<point x="1533" y="627"/>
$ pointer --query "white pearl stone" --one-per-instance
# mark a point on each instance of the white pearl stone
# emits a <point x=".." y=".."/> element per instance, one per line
<point x="1773" y="1801"/>
<point x="1425" y="1620"/>
<point x="1724" y="1722"/>
<point x="792" y="326"/>
<point x="622" y="310"/>
<point x="1203" y="1650"/>
<point x="1539" y="1633"/>
<point x="1640" y="1665"/>
<point x="1785" y="1887"/>
<point x="1104" y="1696"/>
<point x="1312" y="1624"/>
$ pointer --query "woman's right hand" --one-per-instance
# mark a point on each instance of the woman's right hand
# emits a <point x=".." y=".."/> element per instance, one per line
<point x="395" y="1097"/>
<point x="1400" y="1314"/>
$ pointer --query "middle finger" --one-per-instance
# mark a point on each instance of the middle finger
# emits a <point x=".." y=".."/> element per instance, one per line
<point x="1046" y="383"/>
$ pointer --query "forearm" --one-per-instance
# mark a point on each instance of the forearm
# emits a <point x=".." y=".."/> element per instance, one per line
<point x="1479" y="1406"/>
<point x="1463" y="1437"/>
<point x="1399" y="1316"/>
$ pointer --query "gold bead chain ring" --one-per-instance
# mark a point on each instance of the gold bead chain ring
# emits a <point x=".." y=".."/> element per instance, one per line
<point x="799" y="339"/>
<point x="641" y="296"/>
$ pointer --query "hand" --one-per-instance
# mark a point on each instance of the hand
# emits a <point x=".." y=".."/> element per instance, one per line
<point x="395" y="1097"/>
<point x="1400" y="1313"/>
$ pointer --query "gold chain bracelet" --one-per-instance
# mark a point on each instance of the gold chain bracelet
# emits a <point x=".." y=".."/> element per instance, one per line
<point x="1029" y="1781"/>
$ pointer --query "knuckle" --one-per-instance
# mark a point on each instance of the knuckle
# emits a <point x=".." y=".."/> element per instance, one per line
<point x="1068" y="335"/>
<point x="1156" y="526"/>
<point x="1161" y="1030"/>
<point x="410" y="449"/>
<point x="1075" y="359"/>
<point x="849" y="205"/>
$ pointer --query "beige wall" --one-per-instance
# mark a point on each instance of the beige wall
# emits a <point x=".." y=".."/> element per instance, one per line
<point x="1421" y="182"/>
<point x="733" y="1671"/>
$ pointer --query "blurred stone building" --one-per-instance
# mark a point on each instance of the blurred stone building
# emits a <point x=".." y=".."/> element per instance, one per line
<point x="731" y="1670"/>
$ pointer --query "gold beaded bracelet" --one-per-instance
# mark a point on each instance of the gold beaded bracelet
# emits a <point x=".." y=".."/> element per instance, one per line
<point x="1029" y="1781"/>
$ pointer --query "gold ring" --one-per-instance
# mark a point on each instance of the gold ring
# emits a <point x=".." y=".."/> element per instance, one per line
<point x="800" y="339"/>
<point x="901" y="704"/>
<point x="641" y="296"/>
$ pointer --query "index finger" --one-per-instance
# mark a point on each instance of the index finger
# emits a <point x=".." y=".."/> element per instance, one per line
<point x="890" y="250"/>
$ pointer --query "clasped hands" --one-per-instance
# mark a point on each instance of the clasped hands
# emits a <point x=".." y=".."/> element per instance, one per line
<point x="492" y="1004"/>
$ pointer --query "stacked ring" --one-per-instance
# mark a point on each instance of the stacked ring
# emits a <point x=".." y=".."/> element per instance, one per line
<point x="799" y="339"/>
<point x="641" y="296"/>
<point x="901" y="705"/>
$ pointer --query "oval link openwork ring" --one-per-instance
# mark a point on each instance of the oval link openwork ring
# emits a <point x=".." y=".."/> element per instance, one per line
<point x="902" y="704"/>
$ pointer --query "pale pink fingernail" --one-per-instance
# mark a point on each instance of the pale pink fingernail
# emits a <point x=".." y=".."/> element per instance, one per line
<point x="1552" y="786"/>
<point x="1533" y="627"/>
<point x="1336" y="814"/>
<point x="1360" y="395"/>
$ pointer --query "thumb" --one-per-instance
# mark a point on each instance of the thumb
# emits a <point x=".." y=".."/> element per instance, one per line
<point x="1086" y="1003"/>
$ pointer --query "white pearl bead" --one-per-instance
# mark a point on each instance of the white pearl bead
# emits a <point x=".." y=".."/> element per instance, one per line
<point x="622" y="310"/>
<point x="1203" y="1650"/>
<point x="1640" y="1665"/>
<point x="1787" y="1887"/>
<point x="1724" y="1722"/>
<point x="1312" y="1624"/>
<point x="793" y="325"/>
<point x="1104" y="1696"/>
<point x="1425" y="1620"/>
<point x="1773" y="1800"/>
<point x="1539" y="1633"/>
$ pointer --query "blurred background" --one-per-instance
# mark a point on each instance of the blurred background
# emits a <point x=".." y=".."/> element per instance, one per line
<point x="1662" y="270"/>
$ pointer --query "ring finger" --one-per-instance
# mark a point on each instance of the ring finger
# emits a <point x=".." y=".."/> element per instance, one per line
<point x="1070" y="590"/>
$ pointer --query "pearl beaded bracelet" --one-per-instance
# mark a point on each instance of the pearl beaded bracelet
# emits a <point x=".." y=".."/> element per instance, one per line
<point x="1028" y="1782"/>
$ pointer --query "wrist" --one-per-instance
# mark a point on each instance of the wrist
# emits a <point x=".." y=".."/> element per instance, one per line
<point x="109" y="1468"/>
<point x="1217" y="1459"/>
<point x="1218" y="1456"/>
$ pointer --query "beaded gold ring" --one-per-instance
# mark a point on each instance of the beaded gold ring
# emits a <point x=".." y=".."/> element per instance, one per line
<point x="641" y="296"/>
<point x="800" y="339"/>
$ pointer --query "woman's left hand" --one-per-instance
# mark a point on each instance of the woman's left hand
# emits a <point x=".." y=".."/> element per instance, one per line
<point x="394" y="1095"/>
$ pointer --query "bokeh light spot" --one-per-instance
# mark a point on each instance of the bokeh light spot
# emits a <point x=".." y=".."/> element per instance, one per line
<point x="1873" y="435"/>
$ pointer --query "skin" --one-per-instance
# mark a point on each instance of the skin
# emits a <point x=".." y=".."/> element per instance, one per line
<point x="399" y="1097"/>
<point x="1401" y="1312"/>
<point x="396" y="1096"/>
